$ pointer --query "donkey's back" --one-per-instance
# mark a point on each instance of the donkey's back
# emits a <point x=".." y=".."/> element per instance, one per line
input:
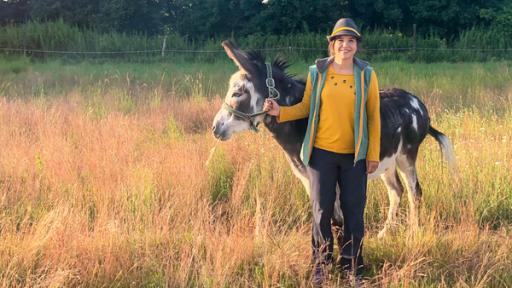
<point x="405" y="123"/>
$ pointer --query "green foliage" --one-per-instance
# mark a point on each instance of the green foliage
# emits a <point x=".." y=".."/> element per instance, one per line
<point x="199" y="19"/>
<point x="500" y="18"/>
<point x="13" y="11"/>
<point x="154" y="277"/>
<point x="220" y="177"/>
<point x="496" y="213"/>
<point x="117" y="15"/>
<point x="14" y="66"/>
<point x="92" y="212"/>
<point x="126" y="102"/>
<point x="275" y="17"/>
<point x="474" y="44"/>
<point x="173" y="130"/>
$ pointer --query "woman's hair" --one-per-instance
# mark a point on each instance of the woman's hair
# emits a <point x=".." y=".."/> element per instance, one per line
<point x="330" y="48"/>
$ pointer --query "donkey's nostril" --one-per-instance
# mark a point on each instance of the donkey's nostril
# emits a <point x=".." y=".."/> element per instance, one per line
<point x="213" y="127"/>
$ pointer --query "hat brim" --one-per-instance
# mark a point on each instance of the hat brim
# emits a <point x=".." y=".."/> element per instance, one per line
<point x="343" y="33"/>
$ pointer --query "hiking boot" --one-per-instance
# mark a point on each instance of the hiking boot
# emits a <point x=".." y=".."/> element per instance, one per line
<point x="318" y="276"/>
<point x="355" y="281"/>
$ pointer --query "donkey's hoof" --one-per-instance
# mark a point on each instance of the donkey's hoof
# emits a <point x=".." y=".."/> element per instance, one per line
<point x="382" y="233"/>
<point x="388" y="228"/>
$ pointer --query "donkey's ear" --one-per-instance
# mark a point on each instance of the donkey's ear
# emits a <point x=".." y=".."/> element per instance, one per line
<point x="238" y="56"/>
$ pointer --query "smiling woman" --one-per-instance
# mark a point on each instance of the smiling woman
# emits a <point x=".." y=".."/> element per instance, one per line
<point x="341" y="145"/>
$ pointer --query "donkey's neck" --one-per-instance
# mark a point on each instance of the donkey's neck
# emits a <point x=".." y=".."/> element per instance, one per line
<point x="289" y="135"/>
<point x="291" y="92"/>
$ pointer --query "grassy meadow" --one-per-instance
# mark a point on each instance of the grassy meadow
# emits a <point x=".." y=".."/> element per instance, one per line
<point x="104" y="182"/>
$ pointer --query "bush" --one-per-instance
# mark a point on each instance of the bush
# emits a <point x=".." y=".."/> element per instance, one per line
<point x="476" y="44"/>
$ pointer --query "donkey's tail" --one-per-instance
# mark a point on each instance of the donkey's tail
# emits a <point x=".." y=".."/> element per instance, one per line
<point x="445" y="145"/>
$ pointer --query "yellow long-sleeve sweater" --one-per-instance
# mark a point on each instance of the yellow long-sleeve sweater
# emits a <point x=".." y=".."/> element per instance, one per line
<point x="336" y="123"/>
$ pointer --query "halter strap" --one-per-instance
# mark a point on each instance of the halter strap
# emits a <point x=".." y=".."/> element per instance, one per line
<point x="273" y="93"/>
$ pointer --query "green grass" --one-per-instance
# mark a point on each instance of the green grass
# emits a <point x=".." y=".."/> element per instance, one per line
<point x="452" y="85"/>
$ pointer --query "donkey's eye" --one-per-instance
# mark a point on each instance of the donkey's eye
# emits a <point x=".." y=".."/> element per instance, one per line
<point x="240" y="92"/>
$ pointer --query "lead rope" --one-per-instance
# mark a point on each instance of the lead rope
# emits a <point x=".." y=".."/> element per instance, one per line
<point x="272" y="91"/>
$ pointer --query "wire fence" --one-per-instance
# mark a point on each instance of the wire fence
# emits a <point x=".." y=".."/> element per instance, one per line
<point x="62" y="41"/>
<point x="289" y="48"/>
<point x="290" y="52"/>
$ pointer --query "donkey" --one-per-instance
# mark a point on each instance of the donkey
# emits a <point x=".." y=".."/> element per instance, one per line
<point x="404" y="123"/>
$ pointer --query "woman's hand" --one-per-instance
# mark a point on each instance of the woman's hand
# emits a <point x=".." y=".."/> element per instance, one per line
<point x="371" y="166"/>
<point x="271" y="107"/>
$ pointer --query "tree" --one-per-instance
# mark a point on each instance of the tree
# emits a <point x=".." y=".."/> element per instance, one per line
<point x="77" y="12"/>
<point x="293" y="16"/>
<point x="199" y="19"/>
<point x="142" y="16"/>
<point x="449" y="17"/>
<point x="13" y="11"/>
<point x="499" y="18"/>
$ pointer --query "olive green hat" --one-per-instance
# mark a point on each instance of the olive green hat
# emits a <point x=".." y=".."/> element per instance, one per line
<point x="345" y="26"/>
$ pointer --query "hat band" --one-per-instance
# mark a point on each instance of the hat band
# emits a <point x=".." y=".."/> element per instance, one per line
<point x="345" y="28"/>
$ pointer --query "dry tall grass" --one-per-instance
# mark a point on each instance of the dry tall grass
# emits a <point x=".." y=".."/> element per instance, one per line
<point x="107" y="191"/>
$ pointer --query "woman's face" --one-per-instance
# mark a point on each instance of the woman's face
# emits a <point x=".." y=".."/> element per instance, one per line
<point x="345" y="47"/>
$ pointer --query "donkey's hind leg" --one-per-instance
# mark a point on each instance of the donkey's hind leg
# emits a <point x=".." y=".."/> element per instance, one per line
<point x="337" y="223"/>
<point x="407" y="166"/>
<point x="395" y="190"/>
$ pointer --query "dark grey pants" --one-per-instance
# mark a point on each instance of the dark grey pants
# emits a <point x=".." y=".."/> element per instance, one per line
<point x="326" y="169"/>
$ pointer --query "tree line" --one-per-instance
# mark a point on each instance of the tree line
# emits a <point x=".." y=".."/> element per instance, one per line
<point x="206" y="19"/>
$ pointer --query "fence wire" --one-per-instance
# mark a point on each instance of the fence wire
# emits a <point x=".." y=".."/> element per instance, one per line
<point x="289" y="48"/>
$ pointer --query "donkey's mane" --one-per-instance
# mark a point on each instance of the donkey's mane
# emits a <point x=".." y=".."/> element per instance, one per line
<point x="282" y="64"/>
<point x="279" y="62"/>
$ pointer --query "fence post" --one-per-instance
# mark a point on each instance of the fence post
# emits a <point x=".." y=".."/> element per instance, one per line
<point x="163" y="46"/>
<point x="414" y="37"/>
